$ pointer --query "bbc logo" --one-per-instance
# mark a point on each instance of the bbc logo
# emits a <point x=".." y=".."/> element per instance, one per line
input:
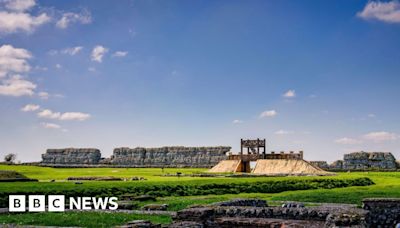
<point x="36" y="203"/>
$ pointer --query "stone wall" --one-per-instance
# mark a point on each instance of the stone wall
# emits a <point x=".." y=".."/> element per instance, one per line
<point x="375" y="213"/>
<point x="169" y="156"/>
<point x="320" y="164"/>
<point x="373" y="160"/>
<point x="382" y="212"/>
<point x="84" y="156"/>
<point x="264" y="216"/>
<point x="362" y="161"/>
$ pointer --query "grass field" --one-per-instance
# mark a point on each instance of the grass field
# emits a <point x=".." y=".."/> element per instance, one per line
<point x="81" y="219"/>
<point x="387" y="184"/>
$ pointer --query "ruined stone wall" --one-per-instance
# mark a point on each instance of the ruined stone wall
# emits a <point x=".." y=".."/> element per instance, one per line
<point x="373" y="160"/>
<point x="320" y="164"/>
<point x="382" y="212"/>
<point x="169" y="156"/>
<point x="255" y="213"/>
<point x="84" y="156"/>
<point x="362" y="161"/>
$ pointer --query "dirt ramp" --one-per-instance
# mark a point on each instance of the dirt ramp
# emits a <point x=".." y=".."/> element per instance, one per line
<point x="226" y="166"/>
<point x="287" y="167"/>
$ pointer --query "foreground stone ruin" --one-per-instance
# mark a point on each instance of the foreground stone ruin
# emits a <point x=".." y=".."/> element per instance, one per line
<point x="256" y="213"/>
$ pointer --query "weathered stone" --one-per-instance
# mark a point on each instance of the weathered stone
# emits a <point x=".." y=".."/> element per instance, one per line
<point x="243" y="203"/>
<point x="369" y="160"/>
<point x="71" y="156"/>
<point x="293" y="205"/>
<point x="320" y="164"/>
<point x="346" y="219"/>
<point x="137" y="178"/>
<point x="155" y="207"/>
<point x="382" y="212"/>
<point x="140" y="224"/>
<point x="186" y="224"/>
<point x="242" y="222"/>
<point x="95" y="178"/>
<point x="336" y="165"/>
<point x="127" y="205"/>
<point x="169" y="156"/>
<point x="376" y="213"/>
<point x="365" y="161"/>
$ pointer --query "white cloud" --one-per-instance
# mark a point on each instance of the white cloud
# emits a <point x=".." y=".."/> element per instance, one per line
<point x="51" y="125"/>
<point x="268" y="113"/>
<point x="75" y="116"/>
<point x="383" y="11"/>
<point x="283" y="132"/>
<point x="30" y="108"/>
<point x="16" y="86"/>
<point x="41" y="68"/>
<point x="68" y="18"/>
<point x="72" y="50"/>
<point x="48" y="114"/>
<point x="12" y="22"/>
<point x="371" y="115"/>
<point x="98" y="53"/>
<point x="92" y="69"/>
<point x="13" y="60"/>
<point x="290" y="94"/>
<point x="120" y="54"/>
<point x="58" y="66"/>
<point x="348" y="141"/>
<point x="19" y="5"/>
<point x="237" y="122"/>
<point x="52" y="52"/>
<point x="44" y="95"/>
<point x="380" y="136"/>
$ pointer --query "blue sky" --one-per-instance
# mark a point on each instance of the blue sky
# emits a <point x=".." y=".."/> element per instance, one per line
<point x="306" y="75"/>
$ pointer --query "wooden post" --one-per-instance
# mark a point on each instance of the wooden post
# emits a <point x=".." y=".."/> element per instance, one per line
<point x="241" y="149"/>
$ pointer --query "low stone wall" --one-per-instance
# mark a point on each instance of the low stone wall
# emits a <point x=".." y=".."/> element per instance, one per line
<point x="169" y="156"/>
<point x="242" y="203"/>
<point x="72" y="156"/>
<point x="375" y="213"/>
<point x="382" y="212"/>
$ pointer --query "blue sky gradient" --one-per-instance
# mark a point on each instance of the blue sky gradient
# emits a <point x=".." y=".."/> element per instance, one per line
<point x="201" y="73"/>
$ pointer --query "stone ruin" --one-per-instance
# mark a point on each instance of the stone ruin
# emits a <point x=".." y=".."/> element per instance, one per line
<point x="320" y="164"/>
<point x="256" y="213"/>
<point x="177" y="156"/>
<point x="205" y="157"/>
<point x="72" y="156"/>
<point x="362" y="161"/>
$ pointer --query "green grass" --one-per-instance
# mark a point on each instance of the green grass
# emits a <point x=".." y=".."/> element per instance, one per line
<point x="81" y="219"/>
<point x="48" y="173"/>
<point x="387" y="184"/>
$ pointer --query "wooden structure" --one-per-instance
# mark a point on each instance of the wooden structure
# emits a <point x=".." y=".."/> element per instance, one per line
<point x="253" y="150"/>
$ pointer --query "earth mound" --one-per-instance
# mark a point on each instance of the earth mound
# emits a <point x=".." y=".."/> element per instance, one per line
<point x="288" y="167"/>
